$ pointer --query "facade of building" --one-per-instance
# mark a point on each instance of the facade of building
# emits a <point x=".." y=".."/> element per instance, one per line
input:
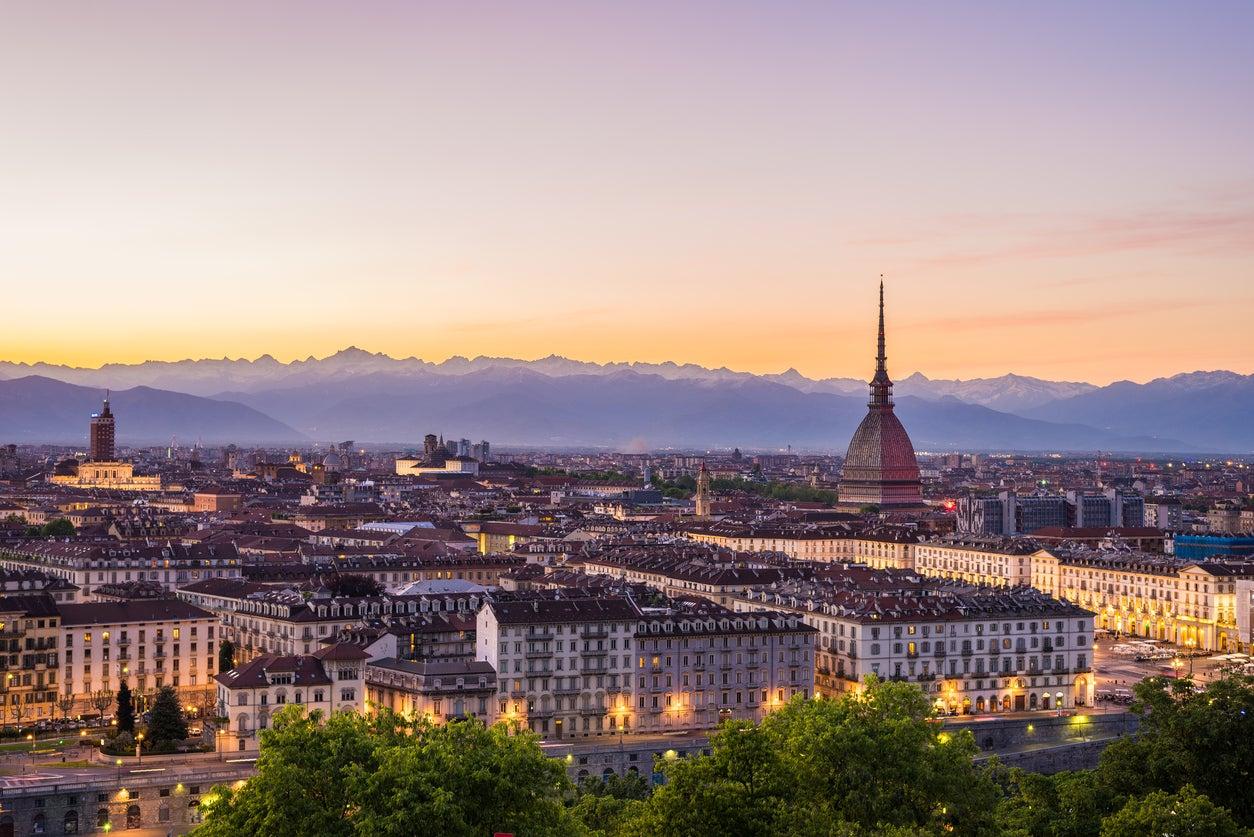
<point x="564" y="667"/>
<point x="441" y="691"/>
<point x="1189" y="603"/>
<point x="148" y="643"/>
<point x="976" y="652"/>
<point x="880" y="467"/>
<point x="993" y="562"/>
<point x="330" y="680"/>
<point x="87" y="565"/>
<point x="30" y="638"/>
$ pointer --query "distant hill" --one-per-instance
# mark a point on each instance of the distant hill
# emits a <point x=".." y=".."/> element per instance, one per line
<point x="369" y="396"/>
<point x="39" y="409"/>
<point x="1213" y="409"/>
<point x="628" y="409"/>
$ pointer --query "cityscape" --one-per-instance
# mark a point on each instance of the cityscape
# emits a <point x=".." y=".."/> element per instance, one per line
<point x="941" y="522"/>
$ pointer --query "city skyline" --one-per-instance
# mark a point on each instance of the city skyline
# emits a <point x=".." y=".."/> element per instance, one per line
<point x="647" y="185"/>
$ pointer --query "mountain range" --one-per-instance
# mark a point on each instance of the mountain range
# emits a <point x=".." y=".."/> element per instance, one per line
<point x="556" y="401"/>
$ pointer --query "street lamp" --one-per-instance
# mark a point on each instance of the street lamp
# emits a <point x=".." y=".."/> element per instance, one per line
<point x="139" y="755"/>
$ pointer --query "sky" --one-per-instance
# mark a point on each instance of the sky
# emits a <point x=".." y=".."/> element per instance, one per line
<point x="1060" y="189"/>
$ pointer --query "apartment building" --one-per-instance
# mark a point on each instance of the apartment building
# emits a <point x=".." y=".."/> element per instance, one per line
<point x="698" y="666"/>
<point x="87" y="565"/>
<point x="1189" y="603"/>
<point x="994" y="562"/>
<point x="30" y="636"/>
<point x="976" y="651"/>
<point x="329" y="680"/>
<point x="564" y="666"/>
<point x="441" y="691"/>
<point x="264" y="619"/>
<point x="148" y="643"/>
<point x="880" y="547"/>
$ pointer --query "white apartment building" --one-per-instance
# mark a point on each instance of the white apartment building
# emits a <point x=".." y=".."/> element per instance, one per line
<point x="983" y="651"/>
<point x="88" y="565"/>
<point x="149" y="643"/>
<point x="564" y="666"/>
<point x="1188" y="603"/>
<point x="330" y="680"/>
<point x="993" y="561"/>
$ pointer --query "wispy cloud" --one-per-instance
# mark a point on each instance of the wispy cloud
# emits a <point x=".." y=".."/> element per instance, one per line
<point x="1228" y="231"/>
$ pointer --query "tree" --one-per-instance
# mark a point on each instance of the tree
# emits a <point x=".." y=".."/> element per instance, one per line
<point x="867" y="762"/>
<point x="226" y="655"/>
<point x="386" y="775"/>
<point x="101" y="700"/>
<point x="1185" y="813"/>
<point x="1204" y="739"/>
<point x="66" y="703"/>
<point x="354" y="585"/>
<point x="126" y="709"/>
<point x="59" y="528"/>
<point x="167" y="722"/>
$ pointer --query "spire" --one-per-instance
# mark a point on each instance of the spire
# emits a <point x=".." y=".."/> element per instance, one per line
<point x="881" y="384"/>
<point x="881" y="362"/>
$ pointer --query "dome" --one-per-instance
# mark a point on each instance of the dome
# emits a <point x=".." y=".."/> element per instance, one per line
<point x="331" y="460"/>
<point x="880" y="466"/>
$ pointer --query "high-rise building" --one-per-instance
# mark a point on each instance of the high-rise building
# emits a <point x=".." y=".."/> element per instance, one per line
<point x="880" y="466"/>
<point x="102" y="434"/>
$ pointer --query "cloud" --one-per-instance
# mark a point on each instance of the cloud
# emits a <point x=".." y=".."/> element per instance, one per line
<point x="1229" y="231"/>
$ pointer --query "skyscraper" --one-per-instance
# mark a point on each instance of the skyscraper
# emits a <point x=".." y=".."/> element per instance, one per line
<point x="102" y="434"/>
<point x="880" y="468"/>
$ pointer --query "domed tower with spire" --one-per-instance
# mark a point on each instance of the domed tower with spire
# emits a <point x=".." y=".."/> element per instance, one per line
<point x="880" y="468"/>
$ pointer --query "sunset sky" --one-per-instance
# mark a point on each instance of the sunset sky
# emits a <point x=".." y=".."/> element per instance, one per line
<point x="1057" y="189"/>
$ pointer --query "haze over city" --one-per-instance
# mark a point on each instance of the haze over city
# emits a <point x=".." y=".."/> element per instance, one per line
<point x="716" y="183"/>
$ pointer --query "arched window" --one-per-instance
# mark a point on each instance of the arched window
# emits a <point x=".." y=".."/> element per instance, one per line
<point x="70" y="824"/>
<point x="132" y="816"/>
<point x="102" y="818"/>
<point x="38" y="824"/>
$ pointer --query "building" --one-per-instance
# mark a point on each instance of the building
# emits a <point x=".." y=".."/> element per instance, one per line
<point x="101" y="434"/>
<point x="329" y="680"/>
<point x="30" y="637"/>
<point x="87" y="565"/>
<point x="1198" y="547"/>
<point x="102" y="469"/>
<point x="1010" y="514"/>
<point x="1188" y="603"/>
<point x="880" y="467"/>
<point x="991" y="562"/>
<point x="148" y="643"/>
<point x="441" y="691"/>
<point x="696" y="667"/>
<point x="564" y="666"/>
<point x="971" y="651"/>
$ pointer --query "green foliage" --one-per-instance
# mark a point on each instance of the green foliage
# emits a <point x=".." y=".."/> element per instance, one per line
<point x="1205" y="739"/>
<point x="226" y="655"/>
<point x="870" y="763"/>
<point x="384" y="776"/>
<point x="126" y="709"/>
<point x="59" y="528"/>
<point x="167" y="723"/>
<point x="684" y="486"/>
<point x="354" y="585"/>
<point x="1185" y="813"/>
<point x="1202" y="743"/>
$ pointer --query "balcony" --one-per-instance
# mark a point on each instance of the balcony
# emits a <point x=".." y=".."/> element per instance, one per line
<point x="123" y="641"/>
<point x="594" y="633"/>
<point x="567" y="690"/>
<point x="533" y="655"/>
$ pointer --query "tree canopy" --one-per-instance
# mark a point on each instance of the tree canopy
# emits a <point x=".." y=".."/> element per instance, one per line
<point x="383" y="776"/>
